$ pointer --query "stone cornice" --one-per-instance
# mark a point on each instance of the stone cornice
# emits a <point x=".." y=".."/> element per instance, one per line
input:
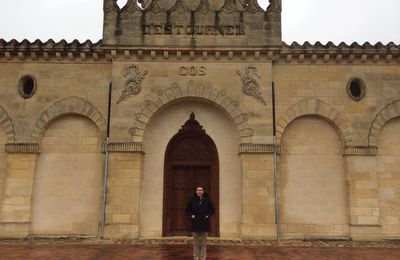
<point x="51" y="51"/>
<point x="22" y="148"/>
<point x="360" y="150"/>
<point x="62" y="45"/>
<point x="342" y="53"/>
<point x="124" y="147"/>
<point x="294" y="53"/>
<point x="258" y="148"/>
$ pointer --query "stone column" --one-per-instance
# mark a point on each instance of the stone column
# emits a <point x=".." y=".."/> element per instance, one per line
<point x="125" y="171"/>
<point x="258" y="217"/>
<point x="364" y="207"/>
<point x="16" y="208"/>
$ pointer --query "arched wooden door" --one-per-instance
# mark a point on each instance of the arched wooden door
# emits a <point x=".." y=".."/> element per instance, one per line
<point x="191" y="159"/>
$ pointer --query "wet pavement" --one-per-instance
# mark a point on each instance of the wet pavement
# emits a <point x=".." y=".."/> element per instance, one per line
<point x="66" y="249"/>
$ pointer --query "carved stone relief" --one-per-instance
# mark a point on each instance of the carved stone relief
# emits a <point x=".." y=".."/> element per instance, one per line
<point x="250" y="84"/>
<point x="133" y="83"/>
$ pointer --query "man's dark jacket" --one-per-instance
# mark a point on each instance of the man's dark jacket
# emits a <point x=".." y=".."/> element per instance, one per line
<point x="202" y="209"/>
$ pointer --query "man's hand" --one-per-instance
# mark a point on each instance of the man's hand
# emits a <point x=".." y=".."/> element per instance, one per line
<point x="193" y="216"/>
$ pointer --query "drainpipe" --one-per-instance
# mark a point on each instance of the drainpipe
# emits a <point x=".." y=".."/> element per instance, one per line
<point x="103" y="217"/>
<point x="276" y="193"/>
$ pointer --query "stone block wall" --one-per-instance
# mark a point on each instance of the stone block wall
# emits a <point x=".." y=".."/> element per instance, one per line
<point x="327" y="83"/>
<point x="3" y="164"/>
<point x="363" y="197"/>
<point x="258" y="217"/>
<point x="16" y="207"/>
<point x="124" y="182"/>
<point x="61" y="89"/>
<point x="310" y="83"/>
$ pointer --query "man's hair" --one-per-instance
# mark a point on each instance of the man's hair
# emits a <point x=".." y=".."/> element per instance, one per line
<point x="200" y="186"/>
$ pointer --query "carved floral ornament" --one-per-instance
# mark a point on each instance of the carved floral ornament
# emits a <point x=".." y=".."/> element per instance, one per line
<point x="133" y="83"/>
<point x="250" y="83"/>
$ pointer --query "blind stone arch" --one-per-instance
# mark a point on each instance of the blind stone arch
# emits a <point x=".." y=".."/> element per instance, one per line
<point x="192" y="90"/>
<point x="319" y="108"/>
<point x="389" y="112"/>
<point x="7" y="124"/>
<point x="66" y="106"/>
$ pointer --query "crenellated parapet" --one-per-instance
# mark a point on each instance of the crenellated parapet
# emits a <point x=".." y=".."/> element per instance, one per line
<point x="192" y="23"/>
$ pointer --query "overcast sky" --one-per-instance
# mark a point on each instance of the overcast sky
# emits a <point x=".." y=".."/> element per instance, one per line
<point x="303" y="20"/>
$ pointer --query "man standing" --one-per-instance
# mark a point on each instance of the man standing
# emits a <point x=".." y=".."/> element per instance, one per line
<point x="199" y="209"/>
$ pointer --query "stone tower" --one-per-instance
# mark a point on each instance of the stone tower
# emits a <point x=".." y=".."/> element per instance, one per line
<point x="192" y="23"/>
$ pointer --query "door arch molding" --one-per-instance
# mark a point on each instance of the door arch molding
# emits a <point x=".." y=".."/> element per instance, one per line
<point x="161" y="98"/>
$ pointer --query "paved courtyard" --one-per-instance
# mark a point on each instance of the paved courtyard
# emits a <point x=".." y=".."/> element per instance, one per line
<point x="181" y="249"/>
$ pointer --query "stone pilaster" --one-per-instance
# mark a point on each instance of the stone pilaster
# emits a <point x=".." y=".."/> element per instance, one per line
<point x="258" y="219"/>
<point x="125" y="171"/>
<point x="363" y="194"/>
<point x="16" y="209"/>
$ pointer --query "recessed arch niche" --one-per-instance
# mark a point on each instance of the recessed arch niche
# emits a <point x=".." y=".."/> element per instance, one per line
<point x="312" y="181"/>
<point x="68" y="183"/>
<point x="388" y="164"/>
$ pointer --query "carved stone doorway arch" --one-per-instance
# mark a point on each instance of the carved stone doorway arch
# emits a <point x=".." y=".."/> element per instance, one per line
<point x="191" y="159"/>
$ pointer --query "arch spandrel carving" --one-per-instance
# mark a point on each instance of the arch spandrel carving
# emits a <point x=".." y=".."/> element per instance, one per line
<point x="67" y="106"/>
<point x="7" y="125"/>
<point x="177" y="92"/>
<point x="389" y="112"/>
<point x="317" y="108"/>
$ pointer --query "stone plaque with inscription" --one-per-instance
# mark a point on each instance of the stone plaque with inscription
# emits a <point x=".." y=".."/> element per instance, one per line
<point x="192" y="23"/>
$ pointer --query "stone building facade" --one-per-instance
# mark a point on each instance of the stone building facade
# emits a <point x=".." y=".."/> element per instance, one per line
<point x="191" y="102"/>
